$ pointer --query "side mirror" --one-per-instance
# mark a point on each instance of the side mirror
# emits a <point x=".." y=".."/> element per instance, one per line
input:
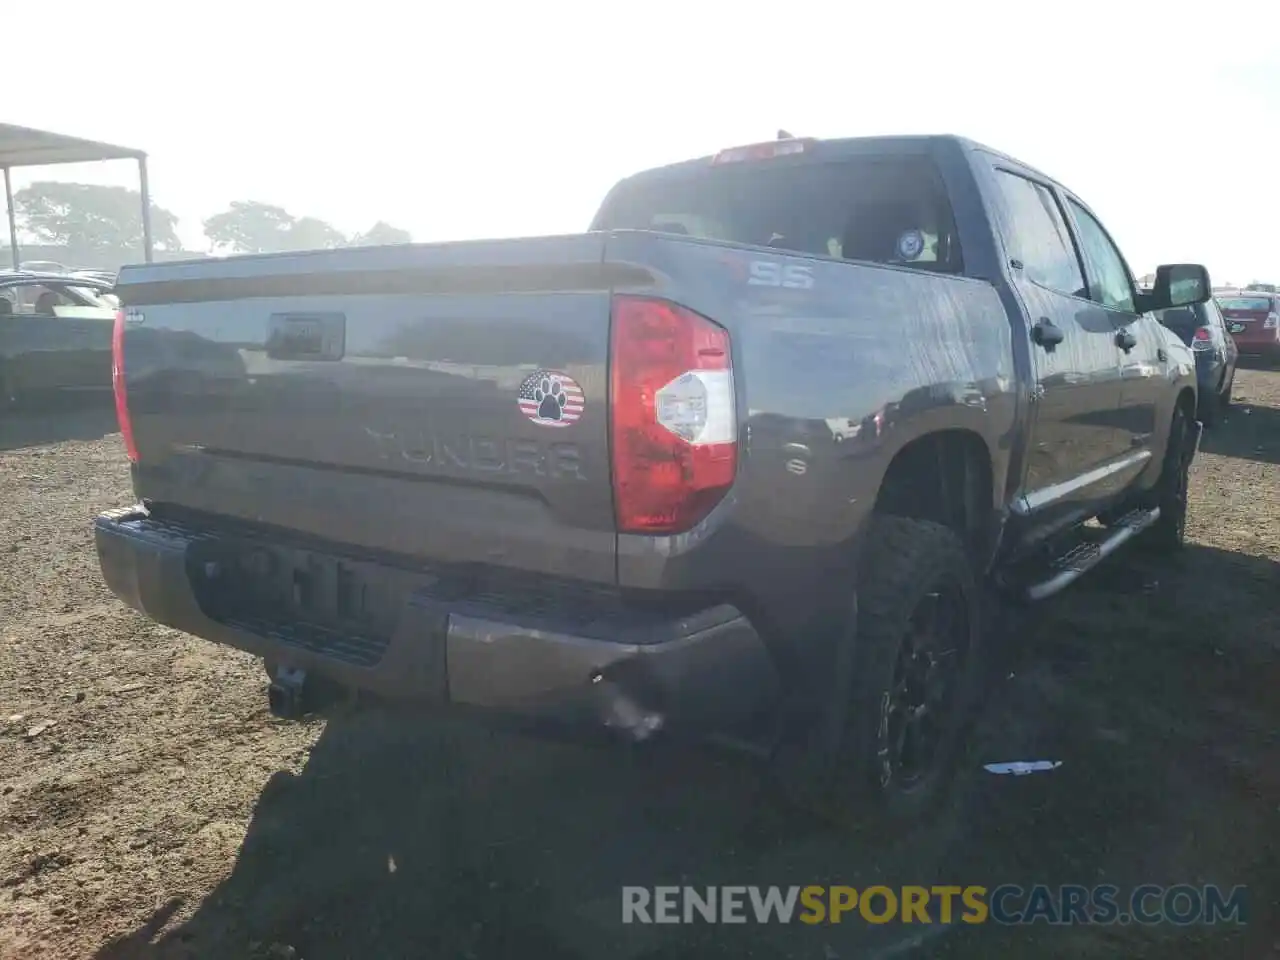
<point x="1178" y="285"/>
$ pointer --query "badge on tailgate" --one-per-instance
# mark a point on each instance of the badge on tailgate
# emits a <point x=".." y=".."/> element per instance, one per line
<point x="306" y="336"/>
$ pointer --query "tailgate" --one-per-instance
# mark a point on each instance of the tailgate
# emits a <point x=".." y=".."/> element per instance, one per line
<point x="445" y="402"/>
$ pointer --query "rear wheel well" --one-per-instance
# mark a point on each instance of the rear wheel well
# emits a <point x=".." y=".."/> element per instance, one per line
<point x="944" y="477"/>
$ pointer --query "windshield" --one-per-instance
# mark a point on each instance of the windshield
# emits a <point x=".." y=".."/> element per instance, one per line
<point x="878" y="209"/>
<point x="90" y="295"/>
<point x="1252" y="304"/>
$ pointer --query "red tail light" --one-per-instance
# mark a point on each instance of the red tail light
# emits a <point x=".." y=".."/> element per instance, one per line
<point x="118" y="385"/>
<point x="673" y="419"/>
<point x="1202" y="339"/>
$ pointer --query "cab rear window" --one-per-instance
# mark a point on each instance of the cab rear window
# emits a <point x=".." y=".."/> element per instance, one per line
<point x="886" y="209"/>
<point x="1251" y="304"/>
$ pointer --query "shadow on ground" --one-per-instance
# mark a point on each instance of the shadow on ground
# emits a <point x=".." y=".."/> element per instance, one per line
<point x="1152" y="683"/>
<point x="78" y="418"/>
<point x="1249" y="433"/>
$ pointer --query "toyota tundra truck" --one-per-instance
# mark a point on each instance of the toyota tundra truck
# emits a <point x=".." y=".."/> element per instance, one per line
<point x="757" y="458"/>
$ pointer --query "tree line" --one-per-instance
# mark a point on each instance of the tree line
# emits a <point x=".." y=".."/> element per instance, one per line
<point x="106" y="222"/>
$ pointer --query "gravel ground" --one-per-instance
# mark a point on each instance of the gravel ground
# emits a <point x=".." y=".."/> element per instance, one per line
<point x="151" y="807"/>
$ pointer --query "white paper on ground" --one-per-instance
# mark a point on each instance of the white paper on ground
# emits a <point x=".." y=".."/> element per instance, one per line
<point x="1021" y="768"/>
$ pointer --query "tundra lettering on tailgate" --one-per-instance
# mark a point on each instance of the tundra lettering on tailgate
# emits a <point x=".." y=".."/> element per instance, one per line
<point x="469" y="454"/>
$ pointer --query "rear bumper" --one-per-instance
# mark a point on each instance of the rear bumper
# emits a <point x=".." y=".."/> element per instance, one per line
<point x="702" y="672"/>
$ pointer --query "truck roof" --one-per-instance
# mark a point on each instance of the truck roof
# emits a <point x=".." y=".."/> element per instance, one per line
<point x="854" y="146"/>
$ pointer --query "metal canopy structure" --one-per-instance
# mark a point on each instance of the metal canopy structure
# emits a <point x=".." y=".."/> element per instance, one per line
<point x="25" y="147"/>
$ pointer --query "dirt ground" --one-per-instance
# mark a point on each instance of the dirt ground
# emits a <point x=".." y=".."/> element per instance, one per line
<point x="152" y="808"/>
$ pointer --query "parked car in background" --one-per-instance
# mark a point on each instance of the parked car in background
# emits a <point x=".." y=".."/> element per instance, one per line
<point x="55" y="335"/>
<point x="102" y="276"/>
<point x="105" y="276"/>
<point x="1203" y="328"/>
<point x="42" y="266"/>
<point x="1253" y="321"/>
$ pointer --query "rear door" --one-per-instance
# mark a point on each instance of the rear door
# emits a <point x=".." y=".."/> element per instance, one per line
<point x="1139" y="340"/>
<point x="1077" y="392"/>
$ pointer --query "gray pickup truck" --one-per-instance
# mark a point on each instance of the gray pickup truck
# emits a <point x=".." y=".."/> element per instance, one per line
<point x="754" y="459"/>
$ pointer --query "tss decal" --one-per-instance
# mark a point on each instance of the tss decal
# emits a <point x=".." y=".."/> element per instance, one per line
<point x="771" y="273"/>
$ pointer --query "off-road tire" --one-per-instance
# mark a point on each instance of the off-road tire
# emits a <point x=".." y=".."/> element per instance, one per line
<point x="906" y="562"/>
<point x="1168" y="534"/>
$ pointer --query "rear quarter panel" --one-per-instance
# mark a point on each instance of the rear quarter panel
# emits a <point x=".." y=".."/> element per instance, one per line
<point x="833" y="379"/>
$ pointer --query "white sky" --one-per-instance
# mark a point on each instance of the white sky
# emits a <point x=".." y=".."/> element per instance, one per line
<point x="504" y="119"/>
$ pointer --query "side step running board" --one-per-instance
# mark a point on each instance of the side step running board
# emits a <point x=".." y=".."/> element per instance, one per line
<point x="1085" y="556"/>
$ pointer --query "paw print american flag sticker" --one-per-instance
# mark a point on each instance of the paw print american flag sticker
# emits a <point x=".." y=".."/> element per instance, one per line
<point x="551" y="399"/>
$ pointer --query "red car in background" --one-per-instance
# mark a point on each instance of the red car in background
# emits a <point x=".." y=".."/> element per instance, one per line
<point x="1253" y="321"/>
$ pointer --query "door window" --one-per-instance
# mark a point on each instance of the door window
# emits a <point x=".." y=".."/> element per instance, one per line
<point x="1109" y="281"/>
<point x="1036" y="234"/>
<point x="55" y="300"/>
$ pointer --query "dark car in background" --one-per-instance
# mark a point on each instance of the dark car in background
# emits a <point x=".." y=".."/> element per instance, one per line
<point x="1253" y="321"/>
<point x="1203" y="328"/>
<point x="55" y="335"/>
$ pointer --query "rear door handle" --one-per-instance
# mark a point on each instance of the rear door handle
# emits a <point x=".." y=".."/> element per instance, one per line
<point x="1047" y="334"/>
<point x="1125" y="340"/>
